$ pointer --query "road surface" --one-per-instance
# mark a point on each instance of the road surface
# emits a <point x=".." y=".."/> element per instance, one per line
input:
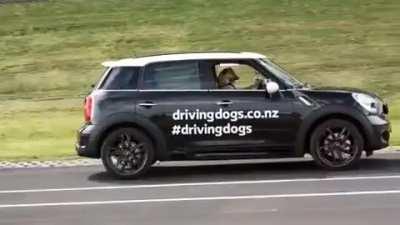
<point x="235" y="192"/>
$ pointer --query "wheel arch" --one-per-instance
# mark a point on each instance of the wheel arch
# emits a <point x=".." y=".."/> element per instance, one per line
<point x="308" y="126"/>
<point x="134" y="121"/>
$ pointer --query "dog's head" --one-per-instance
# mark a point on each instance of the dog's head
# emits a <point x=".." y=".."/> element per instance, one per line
<point x="226" y="77"/>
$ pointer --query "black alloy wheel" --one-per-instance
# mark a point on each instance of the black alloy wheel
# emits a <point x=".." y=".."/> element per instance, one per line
<point x="336" y="144"/>
<point x="127" y="153"/>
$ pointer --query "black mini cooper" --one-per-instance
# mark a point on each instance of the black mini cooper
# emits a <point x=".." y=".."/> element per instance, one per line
<point x="208" y="106"/>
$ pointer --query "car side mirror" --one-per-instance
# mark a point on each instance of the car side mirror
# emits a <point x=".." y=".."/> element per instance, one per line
<point x="271" y="87"/>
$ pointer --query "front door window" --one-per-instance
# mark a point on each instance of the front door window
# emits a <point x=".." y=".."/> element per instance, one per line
<point x="238" y="76"/>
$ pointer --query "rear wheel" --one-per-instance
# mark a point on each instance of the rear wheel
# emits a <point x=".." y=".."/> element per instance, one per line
<point x="127" y="153"/>
<point x="336" y="144"/>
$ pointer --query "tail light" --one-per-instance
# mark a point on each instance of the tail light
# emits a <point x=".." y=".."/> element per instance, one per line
<point x="88" y="108"/>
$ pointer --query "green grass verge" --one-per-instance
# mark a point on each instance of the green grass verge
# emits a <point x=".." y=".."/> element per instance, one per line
<point x="52" y="50"/>
<point x="395" y="120"/>
<point x="38" y="129"/>
<point x="396" y="133"/>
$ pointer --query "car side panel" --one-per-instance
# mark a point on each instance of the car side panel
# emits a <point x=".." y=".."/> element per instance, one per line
<point x="95" y="134"/>
<point x="166" y="104"/>
<point x="110" y="102"/>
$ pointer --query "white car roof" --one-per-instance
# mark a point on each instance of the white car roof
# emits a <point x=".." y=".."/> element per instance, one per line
<point x="142" y="61"/>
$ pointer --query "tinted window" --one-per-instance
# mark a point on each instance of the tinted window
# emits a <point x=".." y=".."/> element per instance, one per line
<point x="121" y="78"/>
<point x="173" y="75"/>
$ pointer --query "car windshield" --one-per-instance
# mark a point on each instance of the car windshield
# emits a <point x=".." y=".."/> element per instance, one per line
<point x="281" y="73"/>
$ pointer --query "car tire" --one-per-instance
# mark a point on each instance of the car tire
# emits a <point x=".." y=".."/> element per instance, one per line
<point x="127" y="153"/>
<point x="336" y="144"/>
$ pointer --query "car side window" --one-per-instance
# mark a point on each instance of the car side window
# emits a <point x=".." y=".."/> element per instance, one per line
<point x="238" y="76"/>
<point x="173" y="75"/>
<point x="121" y="78"/>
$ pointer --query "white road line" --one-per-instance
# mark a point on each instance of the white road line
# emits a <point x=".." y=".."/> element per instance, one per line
<point x="243" y="197"/>
<point x="200" y="184"/>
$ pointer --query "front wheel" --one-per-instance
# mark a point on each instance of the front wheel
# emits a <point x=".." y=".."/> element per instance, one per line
<point x="336" y="144"/>
<point x="127" y="153"/>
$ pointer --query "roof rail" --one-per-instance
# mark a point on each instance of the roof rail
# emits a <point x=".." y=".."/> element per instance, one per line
<point x="183" y="52"/>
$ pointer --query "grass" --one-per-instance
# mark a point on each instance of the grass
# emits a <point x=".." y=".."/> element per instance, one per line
<point x="38" y="129"/>
<point x="395" y="119"/>
<point x="50" y="52"/>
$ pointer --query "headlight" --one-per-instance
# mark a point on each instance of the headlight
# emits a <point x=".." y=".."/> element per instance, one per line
<point x="369" y="103"/>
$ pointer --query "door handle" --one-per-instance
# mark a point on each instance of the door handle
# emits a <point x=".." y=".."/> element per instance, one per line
<point x="224" y="103"/>
<point x="147" y="104"/>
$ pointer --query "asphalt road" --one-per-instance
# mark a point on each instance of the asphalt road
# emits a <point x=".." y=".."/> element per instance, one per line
<point x="256" y="192"/>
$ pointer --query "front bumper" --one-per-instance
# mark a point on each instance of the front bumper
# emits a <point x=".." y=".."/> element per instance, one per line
<point x="380" y="136"/>
<point x="86" y="144"/>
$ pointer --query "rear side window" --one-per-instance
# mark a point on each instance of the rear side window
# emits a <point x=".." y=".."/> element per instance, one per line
<point x="173" y="75"/>
<point x="121" y="78"/>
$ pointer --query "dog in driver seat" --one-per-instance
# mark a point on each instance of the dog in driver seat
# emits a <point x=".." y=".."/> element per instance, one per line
<point x="226" y="79"/>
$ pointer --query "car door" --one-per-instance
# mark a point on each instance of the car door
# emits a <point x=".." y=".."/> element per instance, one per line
<point x="169" y="96"/>
<point x="268" y="121"/>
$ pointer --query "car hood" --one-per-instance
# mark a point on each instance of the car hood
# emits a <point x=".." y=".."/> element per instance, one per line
<point x="337" y="95"/>
<point x="348" y="90"/>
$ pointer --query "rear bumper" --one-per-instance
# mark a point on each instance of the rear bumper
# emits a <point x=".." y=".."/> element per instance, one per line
<point x="86" y="144"/>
